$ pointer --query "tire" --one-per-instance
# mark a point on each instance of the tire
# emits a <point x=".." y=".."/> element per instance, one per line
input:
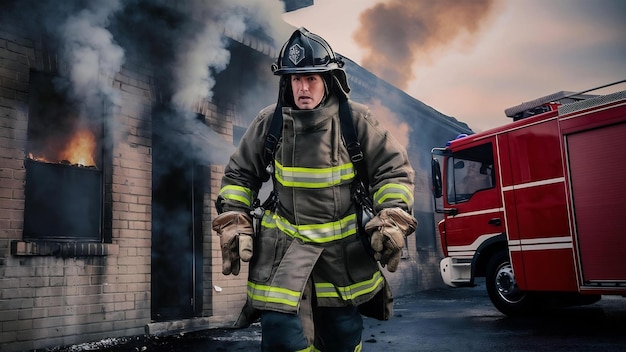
<point x="502" y="288"/>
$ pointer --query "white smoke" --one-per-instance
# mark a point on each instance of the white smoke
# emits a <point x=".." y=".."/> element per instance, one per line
<point x="205" y="53"/>
<point x="90" y="52"/>
<point x="193" y="78"/>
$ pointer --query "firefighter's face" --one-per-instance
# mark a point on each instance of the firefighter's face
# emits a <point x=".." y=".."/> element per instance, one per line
<point x="308" y="90"/>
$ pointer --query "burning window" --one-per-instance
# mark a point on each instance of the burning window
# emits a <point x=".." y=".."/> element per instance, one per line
<point x="63" y="194"/>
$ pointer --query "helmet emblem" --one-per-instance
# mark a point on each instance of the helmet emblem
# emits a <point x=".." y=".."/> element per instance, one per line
<point x="296" y="54"/>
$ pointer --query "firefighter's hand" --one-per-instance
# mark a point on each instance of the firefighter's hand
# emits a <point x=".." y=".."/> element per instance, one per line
<point x="388" y="230"/>
<point x="235" y="231"/>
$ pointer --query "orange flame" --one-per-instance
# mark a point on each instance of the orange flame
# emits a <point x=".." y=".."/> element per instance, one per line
<point x="80" y="149"/>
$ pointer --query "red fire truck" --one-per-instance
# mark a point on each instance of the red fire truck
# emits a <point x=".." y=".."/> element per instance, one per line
<point x="535" y="206"/>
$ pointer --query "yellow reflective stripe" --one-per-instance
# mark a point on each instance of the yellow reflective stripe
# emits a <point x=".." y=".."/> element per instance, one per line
<point x="314" y="233"/>
<point x="393" y="191"/>
<point x="268" y="220"/>
<point x="359" y="347"/>
<point x="305" y="177"/>
<point x="264" y="293"/>
<point x="328" y="290"/>
<point x="237" y="193"/>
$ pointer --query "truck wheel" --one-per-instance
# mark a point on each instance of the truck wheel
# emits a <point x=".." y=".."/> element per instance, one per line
<point x="503" y="290"/>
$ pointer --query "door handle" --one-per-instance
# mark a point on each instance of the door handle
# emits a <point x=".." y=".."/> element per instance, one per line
<point x="494" y="222"/>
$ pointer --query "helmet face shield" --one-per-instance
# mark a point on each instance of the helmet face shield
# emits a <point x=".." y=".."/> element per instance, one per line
<point x="306" y="52"/>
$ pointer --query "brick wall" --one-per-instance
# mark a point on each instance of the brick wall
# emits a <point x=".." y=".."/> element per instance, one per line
<point x="81" y="292"/>
<point x="223" y="295"/>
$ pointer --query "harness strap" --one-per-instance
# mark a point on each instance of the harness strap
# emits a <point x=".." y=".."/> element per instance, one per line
<point x="273" y="135"/>
<point x="352" y="142"/>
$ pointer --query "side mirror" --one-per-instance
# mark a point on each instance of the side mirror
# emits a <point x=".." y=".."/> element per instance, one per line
<point x="436" y="178"/>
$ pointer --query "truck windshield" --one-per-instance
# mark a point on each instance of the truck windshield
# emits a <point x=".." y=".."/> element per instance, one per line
<point x="468" y="172"/>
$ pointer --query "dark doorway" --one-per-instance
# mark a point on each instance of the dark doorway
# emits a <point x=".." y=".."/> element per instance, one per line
<point x="177" y="198"/>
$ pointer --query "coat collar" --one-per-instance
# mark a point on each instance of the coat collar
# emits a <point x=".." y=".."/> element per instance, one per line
<point x="306" y="119"/>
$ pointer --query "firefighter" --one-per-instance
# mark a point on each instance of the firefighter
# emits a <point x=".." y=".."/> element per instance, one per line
<point x="310" y="275"/>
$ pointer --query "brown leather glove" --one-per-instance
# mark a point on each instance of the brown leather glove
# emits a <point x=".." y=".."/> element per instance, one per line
<point x="388" y="230"/>
<point x="235" y="231"/>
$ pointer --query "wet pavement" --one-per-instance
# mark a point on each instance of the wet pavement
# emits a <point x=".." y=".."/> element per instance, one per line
<point x="443" y="319"/>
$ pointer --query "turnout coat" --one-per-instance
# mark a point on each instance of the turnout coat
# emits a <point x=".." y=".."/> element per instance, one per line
<point x="312" y="234"/>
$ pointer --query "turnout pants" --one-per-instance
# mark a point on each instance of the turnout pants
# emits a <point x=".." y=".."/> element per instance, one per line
<point x="336" y="329"/>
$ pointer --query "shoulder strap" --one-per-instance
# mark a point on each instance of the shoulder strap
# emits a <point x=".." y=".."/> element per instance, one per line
<point x="352" y="142"/>
<point x="273" y="135"/>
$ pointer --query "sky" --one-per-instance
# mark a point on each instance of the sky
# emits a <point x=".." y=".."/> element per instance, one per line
<point x="473" y="59"/>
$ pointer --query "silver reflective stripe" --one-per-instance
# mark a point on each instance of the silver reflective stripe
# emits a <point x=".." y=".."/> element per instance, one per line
<point x="304" y="177"/>
<point x="269" y="294"/>
<point x="393" y="191"/>
<point x="237" y="193"/>
<point x="348" y="293"/>
<point x="314" y="233"/>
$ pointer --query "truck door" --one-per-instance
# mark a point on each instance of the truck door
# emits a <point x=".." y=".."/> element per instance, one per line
<point x="471" y="189"/>
<point x="534" y="193"/>
<point x="596" y="171"/>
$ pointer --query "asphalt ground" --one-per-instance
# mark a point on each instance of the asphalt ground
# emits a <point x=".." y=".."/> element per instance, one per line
<point x="440" y="320"/>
